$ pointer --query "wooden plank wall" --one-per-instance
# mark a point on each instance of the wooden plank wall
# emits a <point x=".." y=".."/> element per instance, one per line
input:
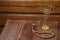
<point x="26" y="10"/>
<point x="27" y="6"/>
<point x="14" y="9"/>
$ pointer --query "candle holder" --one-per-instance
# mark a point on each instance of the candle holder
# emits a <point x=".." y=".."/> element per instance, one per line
<point x="46" y="9"/>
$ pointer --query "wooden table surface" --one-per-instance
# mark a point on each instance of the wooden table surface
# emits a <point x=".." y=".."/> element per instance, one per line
<point x="22" y="30"/>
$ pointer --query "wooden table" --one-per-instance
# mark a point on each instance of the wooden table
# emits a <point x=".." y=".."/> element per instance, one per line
<point x="22" y="30"/>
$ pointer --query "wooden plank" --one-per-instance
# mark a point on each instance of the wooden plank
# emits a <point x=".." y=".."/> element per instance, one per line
<point x="5" y="17"/>
<point x="33" y="6"/>
<point x="30" y="0"/>
<point x="11" y="30"/>
<point x="29" y="3"/>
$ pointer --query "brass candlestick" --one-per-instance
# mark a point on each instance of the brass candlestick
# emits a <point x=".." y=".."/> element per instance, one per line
<point x="46" y="9"/>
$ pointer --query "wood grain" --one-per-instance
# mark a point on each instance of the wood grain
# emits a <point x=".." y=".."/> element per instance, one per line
<point x="5" y="17"/>
<point x="11" y="30"/>
<point x="27" y="6"/>
<point x="22" y="30"/>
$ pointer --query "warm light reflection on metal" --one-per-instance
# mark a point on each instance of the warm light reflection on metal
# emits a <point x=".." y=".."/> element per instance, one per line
<point x="45" y="27"/>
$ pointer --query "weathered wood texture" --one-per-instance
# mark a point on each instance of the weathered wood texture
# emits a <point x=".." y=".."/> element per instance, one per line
<point x="22" y="30"/>
<point x="29" y="0"/>
<point x="13" y="9"/>
<point x="11" y="30"/>
<point x="5" y="17"/>
<point x="27" y="6"/>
